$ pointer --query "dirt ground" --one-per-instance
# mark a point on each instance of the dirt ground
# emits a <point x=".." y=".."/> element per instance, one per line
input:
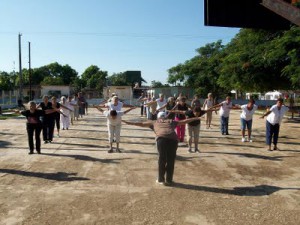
<point x="75" y="181"/>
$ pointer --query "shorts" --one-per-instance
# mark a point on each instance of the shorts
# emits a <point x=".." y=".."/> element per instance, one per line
<point x="246" y="123"/>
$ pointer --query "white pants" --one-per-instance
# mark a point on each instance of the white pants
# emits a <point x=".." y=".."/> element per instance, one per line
<point x="65" y="121"/>
<point x="114" y="132"/>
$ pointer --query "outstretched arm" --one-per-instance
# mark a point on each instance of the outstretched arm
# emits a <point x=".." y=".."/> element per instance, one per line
<point x="182" y="122"/>
<point x="128" y="110"/>
<point x="177" y="111"/>
<point x="164" y="106"/>
<point x="99" y="108"/>
<point x="265" y="114"/>
<point x="140" y="124"/>
<point x="216" y="106"/>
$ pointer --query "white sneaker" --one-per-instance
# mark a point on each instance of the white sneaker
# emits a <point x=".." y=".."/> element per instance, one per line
<point x="250" y="140"/>
<point x="158" y="182"/>
<point x="243" y="139"/>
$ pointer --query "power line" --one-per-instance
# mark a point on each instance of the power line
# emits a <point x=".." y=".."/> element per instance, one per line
<point x="119" y="34"/>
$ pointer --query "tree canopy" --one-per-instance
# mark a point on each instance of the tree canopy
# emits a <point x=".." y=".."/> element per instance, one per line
<point x="253" y="61"/>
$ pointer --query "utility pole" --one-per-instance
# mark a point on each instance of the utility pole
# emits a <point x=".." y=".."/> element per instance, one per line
<point x="29" y="62"/>
<point x="20" y="70"/>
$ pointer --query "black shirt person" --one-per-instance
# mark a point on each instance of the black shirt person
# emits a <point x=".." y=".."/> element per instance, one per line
<point x="34" y="125"/>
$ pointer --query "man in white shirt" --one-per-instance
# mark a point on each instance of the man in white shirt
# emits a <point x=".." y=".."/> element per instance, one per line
<point x="274" y="118"/>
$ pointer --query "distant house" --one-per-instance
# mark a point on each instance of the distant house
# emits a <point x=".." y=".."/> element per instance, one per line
<point x="273" y="95"/>
<point x="172" y="91"/>
<point x="123" y="92"/>
<point x="56" y="90"/>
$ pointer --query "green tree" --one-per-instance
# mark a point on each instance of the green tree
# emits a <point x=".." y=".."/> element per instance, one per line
<point x="200" y="72"/>
<point x="118" y="79"/>
<point x="247" y="66"/>
<point x="52" y="81"/>
<point x="93" y="77"/>
<point x="6" y="81"/>
<point x="156" y="84"/>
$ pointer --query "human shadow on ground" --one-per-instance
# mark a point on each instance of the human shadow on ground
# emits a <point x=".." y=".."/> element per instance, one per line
<point x="4" y="144"/>
<point x="140" y="152"/>
<point x="141" y="137"/>
<point x="58" y="176"/>
<point x="295" y="120"/>
<point x="250" y="155"/>
<point x="83" y="145"/>
<point x="13" y="134"/>
<point x="283" y="150"/>
<point x="222" y="144"/>
<point x="255" y="191"/>
<point x="139" y="129"/>
<point x="81" y="130"/>
<point x="88" y="138"/>
<point x="137" y="143"/>
<point x="85" y="158"/>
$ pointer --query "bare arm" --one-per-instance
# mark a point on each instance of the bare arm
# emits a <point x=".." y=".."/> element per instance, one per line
<point x="182" y="122"/>
<point x="140" y="124"/>
<point x="164" y="106"/>
<point x="265" y="114"/>
<point x="149" y="103"/>
<point x="177" y="111"/>
<point x="128" y="110"/>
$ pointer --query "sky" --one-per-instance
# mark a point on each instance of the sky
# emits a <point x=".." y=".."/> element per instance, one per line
<point x="116" y="35"/>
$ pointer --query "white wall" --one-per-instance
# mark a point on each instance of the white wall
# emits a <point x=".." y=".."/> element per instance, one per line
<point x="65" y="90"/>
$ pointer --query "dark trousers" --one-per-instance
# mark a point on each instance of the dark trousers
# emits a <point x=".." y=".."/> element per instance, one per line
<point x="142" y="110"/>
<point x="224" y="124"/>
<point x="57" y="121"/>
<point x="167" y="153"/>
<point x="31" y="130"/>
<point x="272" y="131"/>
<point x="48" y="128"/>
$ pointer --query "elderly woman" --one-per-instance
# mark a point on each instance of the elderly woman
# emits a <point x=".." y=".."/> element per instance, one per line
<point x="114" y="126"/>
<point x="65" y="112"/>
<point x="34" y="125"/>
<point x="169" y="106"/>
<point x="166" y="142"/>
<point x="48" y="119"/>
<point x="208" y="103"/>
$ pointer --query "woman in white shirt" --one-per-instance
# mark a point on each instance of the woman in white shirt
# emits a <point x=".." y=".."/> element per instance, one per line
<point x="224" y="112"/>
<point x="208" y="103"/>
<point x="274" y="118"/>
<point x="114" y="126"/>
<point x="246" y="119"/>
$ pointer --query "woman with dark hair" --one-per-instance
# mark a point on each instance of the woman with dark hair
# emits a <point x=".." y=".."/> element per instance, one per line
<point x="56" y="115"/>
<point x="169" y="106"/>
<point x="48" y="120"/>
<point x="166" y="143"/>
<point x="180" y="128"/>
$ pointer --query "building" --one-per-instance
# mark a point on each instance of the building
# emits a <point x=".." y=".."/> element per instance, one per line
<point x="56" y="90"/>
<point x="172" y="91"/>
<point x="123" y="92"/>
